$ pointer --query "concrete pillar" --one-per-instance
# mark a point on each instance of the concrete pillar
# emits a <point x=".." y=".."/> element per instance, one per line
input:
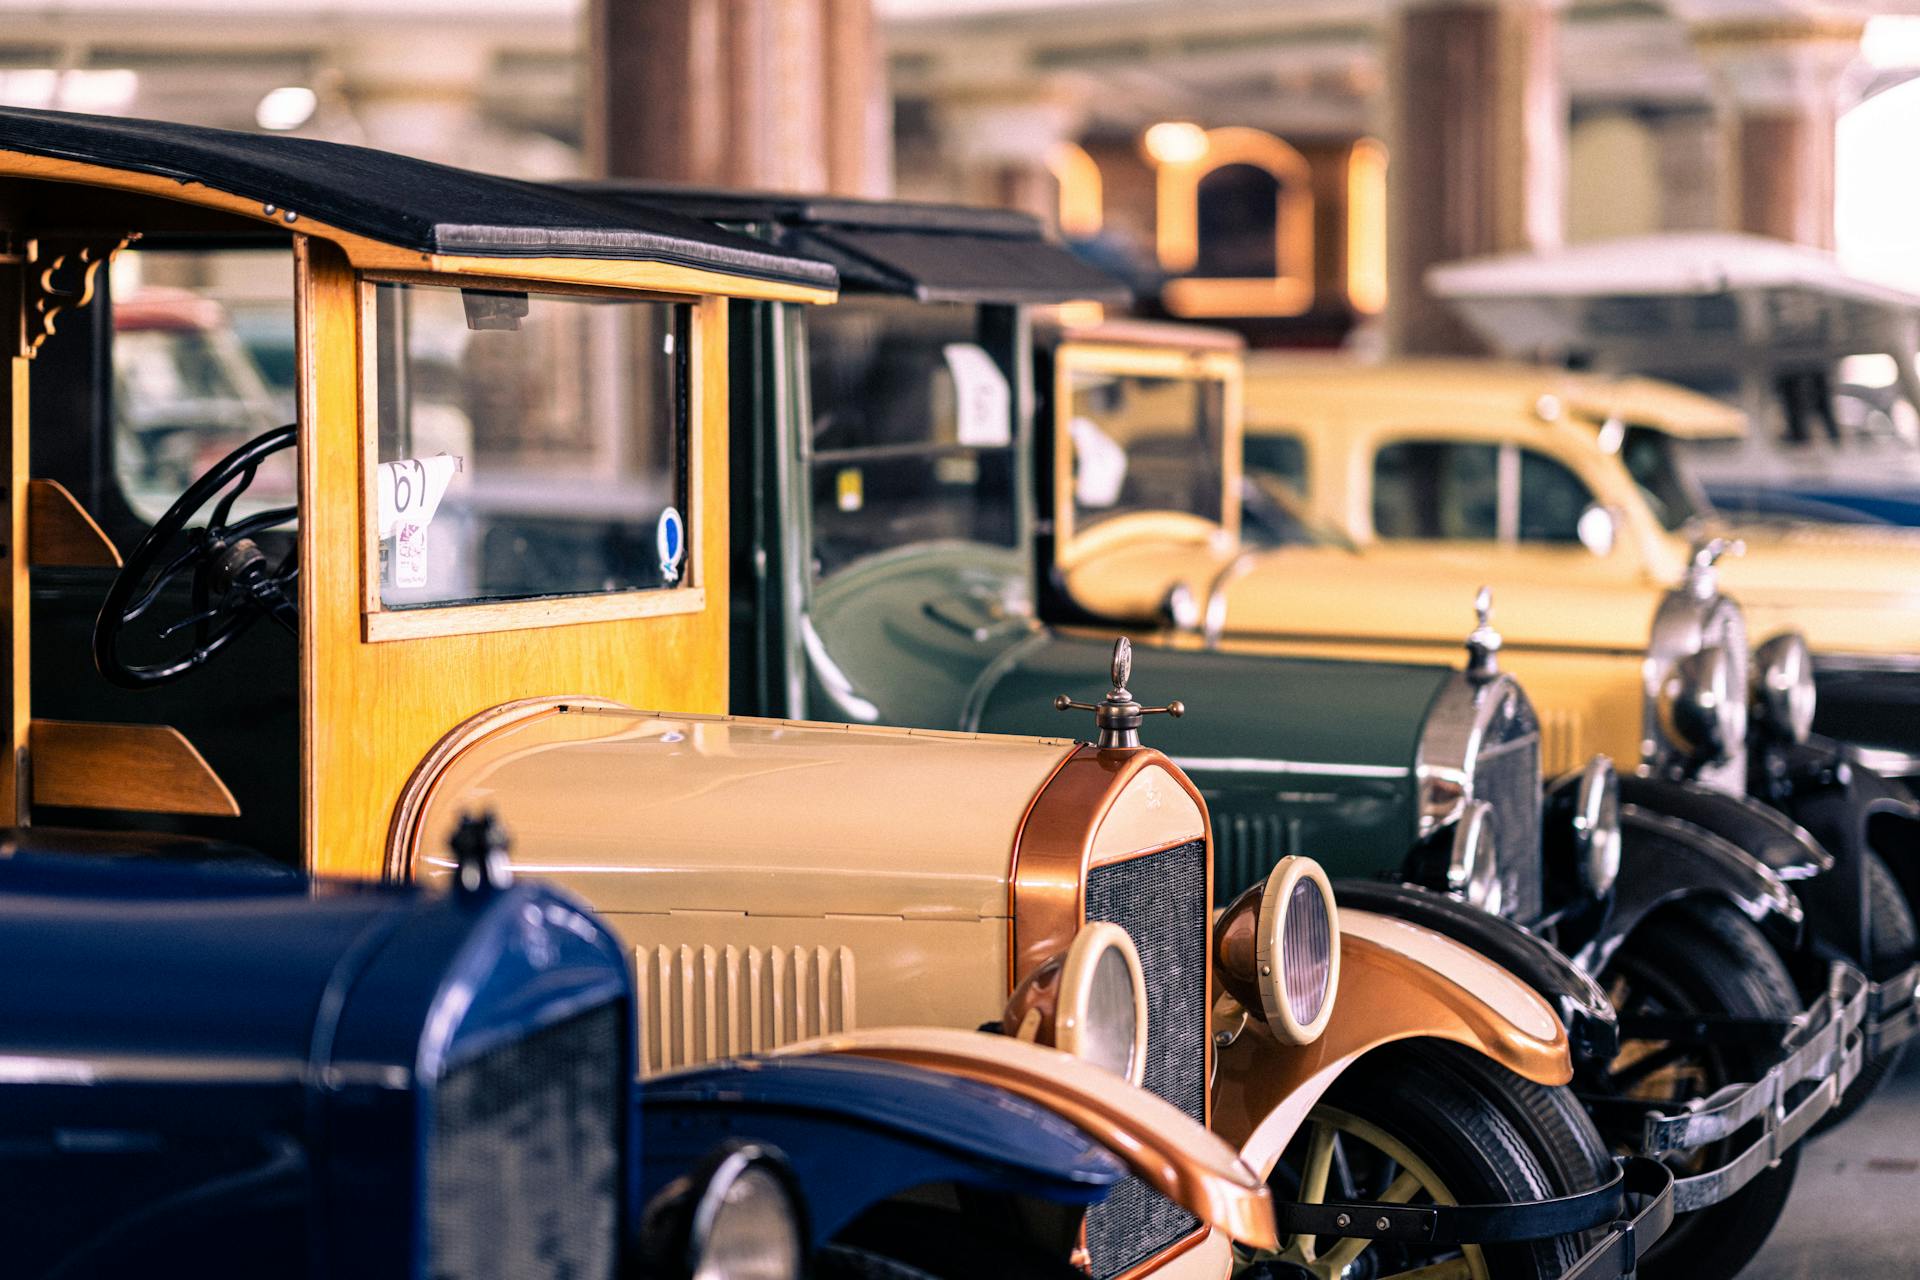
<point x="1477" y="146"/>
<point x="1780" y="82"/>
<point x="781" y="94"/>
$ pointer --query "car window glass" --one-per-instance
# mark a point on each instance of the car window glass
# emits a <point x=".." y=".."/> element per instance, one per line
<point x="1436" y="489"/>
<point x="1143" y="443"/>
<point x="1551" y="500"/>
<point x="529" y="444"/>
<point x="192" y="334"/>
<point x="1654" y="461"/>
<point x="912" y="433"/>
<point x="1277" y="456"/>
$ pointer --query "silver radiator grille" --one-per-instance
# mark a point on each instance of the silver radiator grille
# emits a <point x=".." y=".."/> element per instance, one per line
<point x="1161" y="901"/>
<point x="523" y="1160"/>
<point x="1506" y="774"/>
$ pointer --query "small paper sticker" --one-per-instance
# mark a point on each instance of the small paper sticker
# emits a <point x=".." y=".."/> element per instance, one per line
<point x="411" y="489"/>
<point x="850" y="488"/>
<point x="984" y="395"/>
<point x="409" y="554"/>
<point x="670" y="540"/>
<point x="1099" y="465"/>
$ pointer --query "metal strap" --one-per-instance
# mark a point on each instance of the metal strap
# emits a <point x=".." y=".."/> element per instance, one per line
<point x="1893" y="1012"/>
<point x="1825" y="1047"/>
<point x="1619" y="1253"/>
<point x="1454" y="1224"/>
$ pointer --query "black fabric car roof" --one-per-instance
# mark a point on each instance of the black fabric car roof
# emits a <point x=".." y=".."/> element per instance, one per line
<point x="397" y="200"/>
<point x="932" y="252"/>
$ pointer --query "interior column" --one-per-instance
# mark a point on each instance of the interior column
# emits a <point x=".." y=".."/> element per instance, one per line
<point x="1476" y="149"/>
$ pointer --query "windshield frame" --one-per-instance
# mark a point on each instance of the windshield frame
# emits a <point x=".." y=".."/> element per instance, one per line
<point x="1700" y="507"/>
<point x="688" y="596"/>
<point x="1142" y="360"/>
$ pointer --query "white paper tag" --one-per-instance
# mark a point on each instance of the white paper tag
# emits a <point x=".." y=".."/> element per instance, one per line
<point x="986" y="399"/>
<point x="409" y="554"/>
<point x="1099" y="465"/>
<point x="411" y="489"/>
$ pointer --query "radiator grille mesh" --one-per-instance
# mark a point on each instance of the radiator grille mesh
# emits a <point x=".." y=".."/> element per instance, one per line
<point x="1506" y="774"/>
<point x="1161" y="901"/>
<point x="523" y="1162"/>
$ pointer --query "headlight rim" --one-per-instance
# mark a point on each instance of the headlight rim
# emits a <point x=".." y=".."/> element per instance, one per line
<point x="1786" y="707"/>
<point x="1079" y="970"/>
<point x="679" y="1230"/>
<point x="1700" y="711"/>
<point x="1599" y="840"/>
<point x="1473" y="857"/>
<point x="1270" y="945"/>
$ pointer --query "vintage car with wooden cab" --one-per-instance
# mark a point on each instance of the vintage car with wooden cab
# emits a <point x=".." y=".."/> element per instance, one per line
<point x="885" y="575"/>
<point x="506" y="535"/>
<point x="226" y="1069"/>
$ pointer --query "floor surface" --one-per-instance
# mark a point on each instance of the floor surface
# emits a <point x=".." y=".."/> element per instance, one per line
<point x="1855" y="1210"/>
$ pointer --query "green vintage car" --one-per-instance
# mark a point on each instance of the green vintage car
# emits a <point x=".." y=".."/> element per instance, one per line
<point x="886" y="573"/>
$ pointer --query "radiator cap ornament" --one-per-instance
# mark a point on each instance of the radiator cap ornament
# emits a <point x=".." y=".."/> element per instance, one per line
<point x="1483" y="642"/>
<point x="1118" y="715"/>
<point x="1703" y="577"/>
<point x="480" y="848"/>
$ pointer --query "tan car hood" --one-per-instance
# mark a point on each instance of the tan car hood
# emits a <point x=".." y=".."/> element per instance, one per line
<point x="1425" y="592"/>
<point x="644" y="812"/>
<point x="1848" y="588"/>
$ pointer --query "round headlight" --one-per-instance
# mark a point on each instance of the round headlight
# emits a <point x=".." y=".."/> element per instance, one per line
<point x="737" y="1217"/>
<point x="1596" y="825"/>
<point x="1699" y="708"/>
<point x="1473" y="866"/>
<point x="1091" y="1002"/>
<point x="1297" y="950"/>
<point x="1783" y="692"/>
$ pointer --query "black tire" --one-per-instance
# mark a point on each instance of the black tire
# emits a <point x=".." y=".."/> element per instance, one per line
<point x="1422" y="1099"/>
<point x="1556" y="1127"/>
<point x="1894" y="941"/>
<point x="1703" y="956"/>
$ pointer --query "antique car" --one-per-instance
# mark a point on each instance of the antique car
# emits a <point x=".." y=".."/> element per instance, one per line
<point x="579" y="356"/>
<point x="224" y="1068"/>
<point x="1654" y="678"/>
<point x="1405" y="460"/>
<point x="884" y="575"/>
<point x="1823" y="361"/>
<point x="492" y="616"/>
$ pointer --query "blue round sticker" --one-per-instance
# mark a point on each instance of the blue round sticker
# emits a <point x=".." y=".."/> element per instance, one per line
<point x="670" y="540"/>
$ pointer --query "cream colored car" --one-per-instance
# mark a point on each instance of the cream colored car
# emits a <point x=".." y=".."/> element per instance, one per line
<point x="1570" y="495"/>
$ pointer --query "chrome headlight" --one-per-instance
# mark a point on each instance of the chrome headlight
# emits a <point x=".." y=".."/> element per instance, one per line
<point x="1783" y="691"/>
<point x="1277" y="950"/>
<point x="1701" y="708"/>
<point x="1473" y="866"/>
<point x="737" y="1217"/>
<point x="1090" y="1002"/>
<point x="1583" y="825"/>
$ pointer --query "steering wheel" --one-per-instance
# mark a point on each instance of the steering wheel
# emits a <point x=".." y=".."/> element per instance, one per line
<point x="234" y="584"/>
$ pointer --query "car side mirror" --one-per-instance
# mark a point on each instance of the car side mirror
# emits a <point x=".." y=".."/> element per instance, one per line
<point x="1597" y="529"/>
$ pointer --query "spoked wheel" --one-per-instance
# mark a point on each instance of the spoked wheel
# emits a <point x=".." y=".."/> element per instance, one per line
<point x="1404" y="1126"/>
<point x="1702" y="957"/>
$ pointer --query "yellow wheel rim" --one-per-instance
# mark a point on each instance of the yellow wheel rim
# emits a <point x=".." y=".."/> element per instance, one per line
<point x="1325" y="1125"/>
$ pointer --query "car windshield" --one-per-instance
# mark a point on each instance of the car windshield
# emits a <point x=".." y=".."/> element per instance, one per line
<point x="529" y="444"/>
<point x="913" y="429"/>
<point x="1653" y="460"/>
<point x="1144" y="443"/>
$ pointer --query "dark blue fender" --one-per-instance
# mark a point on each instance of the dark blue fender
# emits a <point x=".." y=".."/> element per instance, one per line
<point x="1591" y="1026"/>
<point x="1665" y="859"/>
<point x="858" y="1131"/>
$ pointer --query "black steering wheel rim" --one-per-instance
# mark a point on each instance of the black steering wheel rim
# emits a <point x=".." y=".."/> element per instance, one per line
<point x="130" y="595"/>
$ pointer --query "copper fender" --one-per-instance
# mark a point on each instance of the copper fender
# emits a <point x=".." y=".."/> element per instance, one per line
<point x="1161" y="1145"/>
<point x="1398" y="981"/>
